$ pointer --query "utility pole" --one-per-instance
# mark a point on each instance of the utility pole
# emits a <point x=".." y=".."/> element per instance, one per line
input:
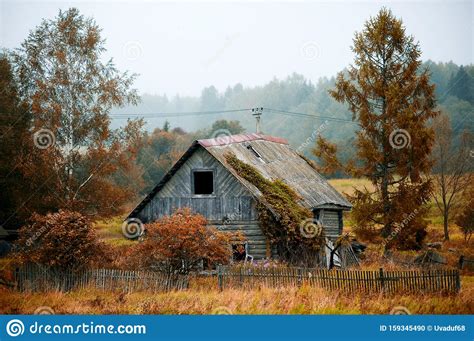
<point x="257" y="113"/>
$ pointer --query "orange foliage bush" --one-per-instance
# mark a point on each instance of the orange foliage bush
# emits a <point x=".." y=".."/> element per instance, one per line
<point x="64" y="240"/>
<point x="180" y="242"/>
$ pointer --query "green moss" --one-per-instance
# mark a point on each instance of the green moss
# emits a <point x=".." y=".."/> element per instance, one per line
<point x="280" y="213"/>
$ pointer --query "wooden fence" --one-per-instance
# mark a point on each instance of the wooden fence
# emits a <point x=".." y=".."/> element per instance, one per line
<point x="466" y="263"/>
<point x="446" y="281"/>
<point x="39" y="278"/>
<point x="42" y="279"/>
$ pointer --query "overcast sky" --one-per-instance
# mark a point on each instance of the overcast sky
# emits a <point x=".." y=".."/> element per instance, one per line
<point x="181" y="47"/>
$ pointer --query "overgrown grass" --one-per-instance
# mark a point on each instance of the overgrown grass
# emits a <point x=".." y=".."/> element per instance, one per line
<point x="110" y="230"/>
<point x="435" y="226"/>
<point x="289" y="300"/>
<point x="203" y="297"/>
<point x="346" y="186"/>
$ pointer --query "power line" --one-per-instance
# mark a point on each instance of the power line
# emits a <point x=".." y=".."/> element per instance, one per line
<point x="216" y="112"/>
<point x="178" y="114"/>
<point x="293" y="113"/>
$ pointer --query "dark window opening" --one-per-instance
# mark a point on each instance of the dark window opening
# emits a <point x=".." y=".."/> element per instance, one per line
<point x="203" y="182"/>
<point x="238" y="252"/>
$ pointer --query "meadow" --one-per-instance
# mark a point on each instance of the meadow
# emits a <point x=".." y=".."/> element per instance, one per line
<point x="204" y="297"/>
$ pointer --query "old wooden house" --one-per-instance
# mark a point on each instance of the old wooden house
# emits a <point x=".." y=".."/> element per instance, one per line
<point x="202" y="180"/>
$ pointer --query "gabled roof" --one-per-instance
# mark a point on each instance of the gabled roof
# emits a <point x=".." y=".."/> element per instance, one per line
<point x="274" y="159"/>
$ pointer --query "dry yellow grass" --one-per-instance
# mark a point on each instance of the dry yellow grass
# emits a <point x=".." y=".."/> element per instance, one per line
<point x="110" y="230"/>
<point x="346" y="186"/>
<point x="290" y="300"/>
<point x="435" y="227"/>
<point x="203" y="296"/>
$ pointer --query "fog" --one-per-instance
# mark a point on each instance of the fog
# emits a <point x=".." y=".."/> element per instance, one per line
<point x="182" y="47"/>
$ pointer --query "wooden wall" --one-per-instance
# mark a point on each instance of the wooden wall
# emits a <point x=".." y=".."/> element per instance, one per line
<point x="213" y="208"/>
<point x="232" y="207"/>
<point x="332" y="222"/>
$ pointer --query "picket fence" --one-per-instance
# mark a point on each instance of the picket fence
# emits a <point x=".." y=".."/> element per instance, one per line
<point x="443" y="281"/>
<point x="37" y="278"/>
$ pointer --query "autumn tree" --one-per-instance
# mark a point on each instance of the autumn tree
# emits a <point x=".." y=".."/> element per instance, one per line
<point x="222" y="128"/>
<point x="452" y="175"/>
<point x="159" y="151"/>
<point x="179" y="243"/>
<point x="391" y="99"/>
<point x="69" y="92"/>
<point x="64" y="240"/>
<point x="465" y="219"/>
<point x="15" y="141"/>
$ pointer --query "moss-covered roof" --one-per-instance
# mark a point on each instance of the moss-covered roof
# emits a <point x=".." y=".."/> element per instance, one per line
<point x="274" y="159"/>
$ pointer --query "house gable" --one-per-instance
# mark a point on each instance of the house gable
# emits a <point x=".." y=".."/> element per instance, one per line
<point x="231" y="200"/>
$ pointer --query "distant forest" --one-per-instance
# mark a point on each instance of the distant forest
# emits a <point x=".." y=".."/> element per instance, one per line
<point x="169" y="136"/>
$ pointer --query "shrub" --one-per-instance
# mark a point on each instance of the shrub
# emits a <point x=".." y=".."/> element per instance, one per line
<point x="465" y="220"/>
<point x="64" y="240"/>
<point x="180" y="243"/>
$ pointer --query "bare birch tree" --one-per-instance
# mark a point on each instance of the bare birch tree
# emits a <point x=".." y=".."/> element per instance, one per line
<point x="451" y="171"/>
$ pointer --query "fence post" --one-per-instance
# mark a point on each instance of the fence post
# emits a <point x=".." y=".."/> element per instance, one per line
<point x="458" y="281"/>
<point x="300" y="276"/>
<point x="219" y="277"/>
<point x="382" y="279"/>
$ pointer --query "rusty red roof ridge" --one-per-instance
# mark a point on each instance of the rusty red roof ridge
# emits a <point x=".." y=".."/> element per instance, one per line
<point x="230" y="139"/>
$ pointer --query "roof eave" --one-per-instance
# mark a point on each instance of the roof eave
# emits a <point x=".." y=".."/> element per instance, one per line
<point x="333" y="206"/>
<point x="187" y="154"/>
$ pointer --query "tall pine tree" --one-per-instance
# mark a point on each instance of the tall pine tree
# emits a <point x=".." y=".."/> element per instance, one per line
<point x="391" y="99"/>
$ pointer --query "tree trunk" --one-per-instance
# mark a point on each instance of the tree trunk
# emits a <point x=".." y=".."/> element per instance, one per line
<point x="445" y="207"/>
<point x="387" y="228"/>
<point x="445" y="223"/>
